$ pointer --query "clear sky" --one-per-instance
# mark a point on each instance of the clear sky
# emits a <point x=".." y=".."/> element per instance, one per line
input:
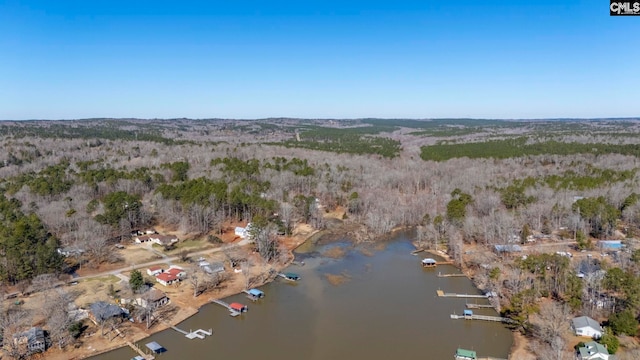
<point x="63" y="59"/>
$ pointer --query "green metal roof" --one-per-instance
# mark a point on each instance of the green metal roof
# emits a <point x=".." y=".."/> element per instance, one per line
<point x="466" y="353"/>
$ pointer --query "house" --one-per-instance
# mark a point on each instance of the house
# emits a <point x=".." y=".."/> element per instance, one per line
<point x="153" y="299"/>
<point x="101" y="311"/>
<point x="240" y="231"/>
<point x="70" y="251"/>
<point x="33" y="339"/>
<point x="176" y="271"/>
<point x="211" y="268"/>
<point x="586" y="326"/>
<point x="593" y="350"/>
<point x="166" y="278"/>
<point x="507" y="248"/>
<point x="164" y="240"/>
<point x="462" y="354"/>
<point x="142" y="239"/>
<point x="154" y="270"/>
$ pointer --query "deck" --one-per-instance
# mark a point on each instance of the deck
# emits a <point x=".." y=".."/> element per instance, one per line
<point x="200" y="334"/>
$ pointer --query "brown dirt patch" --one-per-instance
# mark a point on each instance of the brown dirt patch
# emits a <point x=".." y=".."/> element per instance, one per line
<point x="520" y="348"/>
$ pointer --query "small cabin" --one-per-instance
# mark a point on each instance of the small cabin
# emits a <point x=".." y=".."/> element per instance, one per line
<point x="239" y="307"/>
<point x="467" y="313"/>
<point x="463" y="354"/>
<point x="256" y="293"/>
<point x="429" y="262"/>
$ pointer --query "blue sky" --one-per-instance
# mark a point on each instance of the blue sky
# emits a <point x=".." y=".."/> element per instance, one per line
<point x="317" y="59"/>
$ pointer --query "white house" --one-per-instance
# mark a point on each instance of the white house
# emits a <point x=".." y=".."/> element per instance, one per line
<point x="592" y="350"/>
<point x="586" y="326"/>
<point x="154" y="270"/>
<point x="240" y="231"/>
<point x="164" y="239"/>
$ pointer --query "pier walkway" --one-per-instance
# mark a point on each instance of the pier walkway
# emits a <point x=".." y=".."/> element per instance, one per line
<point x="227" y="306"/>
<point x="479" y="306"/>
<point x="444" y="294"/>
<point x="483" y="317"/>
<point x="451" y="275"/>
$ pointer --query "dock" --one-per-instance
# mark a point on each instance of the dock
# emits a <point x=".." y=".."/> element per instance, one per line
<point x="200" y="334"/>
<point x="139" y="351"/>
<point x="483" y="317"/>
<point x="479" y="306"/>
<point x="289" y="276"/>
<point x="444" y="294"/>
<point x="232" y="312"/>
<point x="451" y="275"/>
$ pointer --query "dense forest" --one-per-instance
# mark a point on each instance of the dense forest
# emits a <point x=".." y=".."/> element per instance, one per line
<point x="87" y="184"/>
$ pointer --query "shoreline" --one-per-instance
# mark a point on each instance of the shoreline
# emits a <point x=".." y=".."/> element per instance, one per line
<point x="190" y="312"/>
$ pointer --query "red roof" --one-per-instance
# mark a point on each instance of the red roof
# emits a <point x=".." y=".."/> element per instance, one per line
<point x="237" y="306"/>
<point x="154" y="268"/>
<point x="174" y="271"/>
<point x="166" y="277"/>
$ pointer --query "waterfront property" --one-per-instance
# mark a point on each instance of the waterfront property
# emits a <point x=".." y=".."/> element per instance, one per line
<point x="592" y="351"/>
<point x="586" y="326"/>
<point x="463" y="354"/>
<point x="429" y="262"/>
<point x="101" y="311"/>
<point x="33" y="339"/>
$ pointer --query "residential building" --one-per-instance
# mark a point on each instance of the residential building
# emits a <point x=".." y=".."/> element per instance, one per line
<point x="586" y="326"/>
<point x="592" y="351"/>
<point x="33" y="339"/>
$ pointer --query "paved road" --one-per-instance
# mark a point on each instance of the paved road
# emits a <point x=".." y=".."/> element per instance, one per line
<point x="160" y="261"/>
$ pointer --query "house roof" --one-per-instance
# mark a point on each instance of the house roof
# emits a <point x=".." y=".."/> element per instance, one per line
<point x="585" y="321"/>
<point x="166" y="277"/>
<point x="508" y="248"/>
<point x="102" y="310"/>
<point x="155" y="295"/>
<point x="174" y="271"/>
<point x="154" y="268"/>
<point x="34" y="334"/>
<point x="592" y="348"/>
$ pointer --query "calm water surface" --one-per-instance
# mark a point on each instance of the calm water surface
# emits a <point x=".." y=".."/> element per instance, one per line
<point x="388" y="309"/>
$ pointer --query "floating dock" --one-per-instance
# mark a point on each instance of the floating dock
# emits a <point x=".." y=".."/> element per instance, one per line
<point x="200" y="334"/>
<point x="444" y="294"/>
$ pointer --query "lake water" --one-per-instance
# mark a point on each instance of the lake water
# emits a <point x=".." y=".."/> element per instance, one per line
<point x="387" y="309"/>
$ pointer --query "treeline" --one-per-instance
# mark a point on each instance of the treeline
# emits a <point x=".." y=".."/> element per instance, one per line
<point x="27" y="249"/>
<point x="519" y="147"/>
